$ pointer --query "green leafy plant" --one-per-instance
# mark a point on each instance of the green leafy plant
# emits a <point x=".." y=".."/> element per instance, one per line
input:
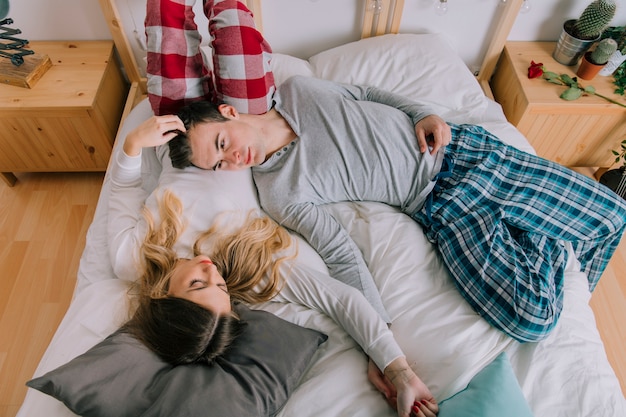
<point x="621" y="41"/>
<point x="574" y="89"/>
<point x="620" y="79"/>
<point x="620" y="155"/>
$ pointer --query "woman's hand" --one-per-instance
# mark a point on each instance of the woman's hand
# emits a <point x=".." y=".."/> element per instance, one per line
<point x="432" y="131"/>
<point x="155" y="131"/>
<point x="414" y="399"/>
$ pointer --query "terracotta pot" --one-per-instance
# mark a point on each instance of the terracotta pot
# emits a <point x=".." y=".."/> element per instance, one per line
<point x="587" y="69"/>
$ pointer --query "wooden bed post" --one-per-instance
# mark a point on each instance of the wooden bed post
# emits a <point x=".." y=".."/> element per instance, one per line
<point x="501" y="33"/>
<point x="255" y="8"/>
<point x="387" y="20"/>
<point x="125" y="51"/>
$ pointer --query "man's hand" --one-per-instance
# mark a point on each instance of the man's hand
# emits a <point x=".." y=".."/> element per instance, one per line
<point x="432" y="131"/>
<point x="155" y="131"/>
<point x="382" y="384"/>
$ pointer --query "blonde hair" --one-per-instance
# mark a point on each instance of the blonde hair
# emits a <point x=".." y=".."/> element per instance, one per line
<point x="248" y="257"/>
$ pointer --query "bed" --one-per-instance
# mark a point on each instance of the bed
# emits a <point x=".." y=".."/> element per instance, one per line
<point x="447" y="344"/>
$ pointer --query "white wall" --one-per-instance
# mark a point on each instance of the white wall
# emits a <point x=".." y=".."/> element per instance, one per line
<point x="59" y="19"/>
<point x="305" y="27"/>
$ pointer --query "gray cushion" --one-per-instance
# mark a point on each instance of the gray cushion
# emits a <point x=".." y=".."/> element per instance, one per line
<point x="121" y="377"/>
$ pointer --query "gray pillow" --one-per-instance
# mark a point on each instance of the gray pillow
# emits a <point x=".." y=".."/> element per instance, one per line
<point x="121" y="377"/>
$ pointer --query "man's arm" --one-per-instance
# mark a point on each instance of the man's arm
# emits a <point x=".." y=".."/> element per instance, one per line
<point x="431" y="130"/>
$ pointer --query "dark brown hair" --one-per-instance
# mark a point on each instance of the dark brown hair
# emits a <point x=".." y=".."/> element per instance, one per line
<point x="192" y="114"/>
<point x="182" y="332"/>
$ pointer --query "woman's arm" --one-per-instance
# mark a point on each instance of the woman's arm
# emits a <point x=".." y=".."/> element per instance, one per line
<point x="349" y="309"/>
<point x="127" y="197"/>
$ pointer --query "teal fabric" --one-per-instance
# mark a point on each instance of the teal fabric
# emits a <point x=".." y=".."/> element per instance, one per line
<point x="4" y="8"/>
<point x="493" y="392"/>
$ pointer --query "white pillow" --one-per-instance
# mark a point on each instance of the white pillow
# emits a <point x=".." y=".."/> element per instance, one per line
<point x="422" y="67"/>
<point x="205" y="194"/>
<point x="285" y="66"/>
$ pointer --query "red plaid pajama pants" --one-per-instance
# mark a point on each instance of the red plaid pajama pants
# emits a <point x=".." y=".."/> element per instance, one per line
<point x="177" y="71"/>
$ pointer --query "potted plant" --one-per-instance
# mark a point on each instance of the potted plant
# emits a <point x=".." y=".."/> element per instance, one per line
<point x="615" y="179"/>
<point x="594" y="61"/>
<point x="618" y="56"/>
<point x="579" y="34"/>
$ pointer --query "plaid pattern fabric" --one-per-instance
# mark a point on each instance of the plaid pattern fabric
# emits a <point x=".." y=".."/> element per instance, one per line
<point x="241" y="58"/>
<point x="499" y="220"/>
<point x="177" y="71"/>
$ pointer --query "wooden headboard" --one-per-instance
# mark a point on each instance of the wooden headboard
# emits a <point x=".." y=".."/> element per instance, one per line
<point x="385" y="20"/>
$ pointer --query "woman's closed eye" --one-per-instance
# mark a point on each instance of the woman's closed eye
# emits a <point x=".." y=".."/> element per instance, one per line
<point x="197" y="284"/>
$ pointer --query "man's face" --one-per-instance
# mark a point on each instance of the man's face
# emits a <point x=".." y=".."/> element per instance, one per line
<point x="231" y="145"/>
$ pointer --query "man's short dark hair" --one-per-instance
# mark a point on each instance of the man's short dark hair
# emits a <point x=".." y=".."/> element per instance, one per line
<point x="191" y="115"/>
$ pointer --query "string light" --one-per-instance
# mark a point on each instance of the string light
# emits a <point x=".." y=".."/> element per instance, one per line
<point x="376" y="6"/>
<point x="441" y="7"/>
<point x="525" y="8"/>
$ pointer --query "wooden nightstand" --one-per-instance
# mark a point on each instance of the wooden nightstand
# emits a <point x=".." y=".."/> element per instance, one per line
<point x="69" y="119"/>
<point x="578" y="133"/>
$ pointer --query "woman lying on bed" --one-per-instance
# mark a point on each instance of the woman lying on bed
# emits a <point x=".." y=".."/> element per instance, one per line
<point x="242" y="77"/>
<point x="242" y="267"/>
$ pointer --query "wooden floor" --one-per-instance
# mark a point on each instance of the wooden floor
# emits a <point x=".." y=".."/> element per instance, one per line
<point x="43" y="221"/>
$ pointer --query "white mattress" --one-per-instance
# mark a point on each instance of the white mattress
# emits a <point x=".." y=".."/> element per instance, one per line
<point x="445" y="341"/>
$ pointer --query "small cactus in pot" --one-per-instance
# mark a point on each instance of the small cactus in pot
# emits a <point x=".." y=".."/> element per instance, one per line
<point x="593" y="61"/>
<point x="601" y="54"/>
<point x="615" y="60"/>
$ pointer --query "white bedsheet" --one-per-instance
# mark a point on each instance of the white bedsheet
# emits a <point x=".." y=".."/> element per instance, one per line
<point x="566" y="375"/>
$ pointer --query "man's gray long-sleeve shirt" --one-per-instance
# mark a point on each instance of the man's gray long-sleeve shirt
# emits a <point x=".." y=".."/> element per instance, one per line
<point x="353" y="143"/>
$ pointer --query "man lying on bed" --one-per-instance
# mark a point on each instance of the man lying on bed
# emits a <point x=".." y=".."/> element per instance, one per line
<point x="498" y="215"/>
